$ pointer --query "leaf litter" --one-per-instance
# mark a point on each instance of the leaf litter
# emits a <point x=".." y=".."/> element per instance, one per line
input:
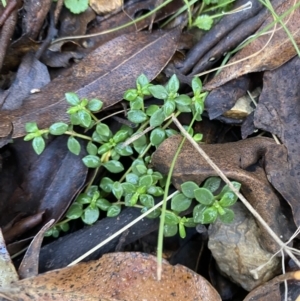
<point x="275" y="158"/>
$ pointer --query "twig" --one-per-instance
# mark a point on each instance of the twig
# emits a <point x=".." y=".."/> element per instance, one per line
<point x="240" y="196"/>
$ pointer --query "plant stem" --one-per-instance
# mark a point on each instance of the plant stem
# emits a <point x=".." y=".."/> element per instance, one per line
<point x="72" y="133"/>
<point x="164" y="206"/>
<point x="116" y="28"/>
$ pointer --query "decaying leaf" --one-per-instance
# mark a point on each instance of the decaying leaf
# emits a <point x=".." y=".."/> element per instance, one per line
<point x="104" y="74"/>
<point x="234" y="159"/>
<point x="8" y="271"/>
<point x="55" y="187"/>
<point x="278" y="112"/>
<point x="267" y="52"/>
<point x="271" y="290"/>
<point x="104" y="6"/>
<point x="115" y="277"/>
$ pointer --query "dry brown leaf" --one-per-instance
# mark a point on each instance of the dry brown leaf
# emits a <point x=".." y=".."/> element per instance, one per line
<point x="116" y="276"/>
<point x="264" y="53"/>
<point x="106" y="73"/>
<point x="104" y="6"/>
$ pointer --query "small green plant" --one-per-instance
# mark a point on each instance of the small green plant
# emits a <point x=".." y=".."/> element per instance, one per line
<point x="4" y="3"/>
<point x="75" y="6"/>
<point x="139" y="184"/>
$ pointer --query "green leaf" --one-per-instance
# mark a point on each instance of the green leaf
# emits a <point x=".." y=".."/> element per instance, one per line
<point x="73" y="145"/>
<point x="104" y="148"/>
<point x="180" y="202"/>
<point x="72" y="98"/>
<point x="137" y="104"/>
<point x="171" y="218"/>
<point x="114" y="166"/>
<point x="170" y="230"/>
<point x="227" y="217"/>
<point x="159" y="92"/>
<point x="113" y="210"/>
<point x="157" y="136"/>
<point x="204" y="196"/>
<point x="91" y="148"/>
<point x="31" y="127"/>
<point x="130" y="94"/>
<point x="137" y="116"/>
<point x="188" y="189"/>
<point x="182" y="232"/>
<point x="151" y="109"/>
<point x="91" y="161"/>
<point x="173" y="84"/>
<point x="120" y="136"/>
<point x="145" y="181"/>
<point x="103" y="204"/>
<point x="204" y="214"/>
<point x="85" y="118"/>
<point x="103" y="130"/>
<point x="196" y="85"/>
<point x="38" y="144"/>
<point x="169" y="107"/>
<point x="189" y="222"/>
<point x="64" y="227"/>
<point x="123" y="150"/>
<point x="95" y="105"/>
<point x="198" y="137"/>
<point x="142" y="80"/>
<point x="31" y="136"/>
<point x="117" y="190"/>
<point x="92" y="190"/>
<point x="183" y="100"/>
<point x="204" y="22"/>
<point x="90" y="215"/>
<point x="147" y="200"/>
<point x="106" y="184"/>
<point x="157" y="118"/>
<point x="226" y="188"/>
<point x="131" y="199"/>
<point x="155" y="191"/>
<point x="228" y="199"/>
<point x="132" y="178"/>
<point x="58" y="128"/>
<point x="171" y="132"/>
<point x="77" y="6"/>
<point x="198" y="213"/>
<point x="129" y="188"/>
<point x="212" y="184"/>
<point x="83" y="198"/>
<point x="75" y="211"/>
<point x="154" y="214"/>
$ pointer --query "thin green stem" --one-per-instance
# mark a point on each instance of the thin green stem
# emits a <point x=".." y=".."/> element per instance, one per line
<point x="116" y="28"/>
<point x="72" y="133"/>
<point x="269" y="6"/>
<point x="188" y="5"/>
<point x="164" y="207"/>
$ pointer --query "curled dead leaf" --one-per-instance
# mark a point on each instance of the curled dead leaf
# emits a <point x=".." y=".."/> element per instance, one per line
<point x="268" y="52"/>
<point x="115" y="277"/>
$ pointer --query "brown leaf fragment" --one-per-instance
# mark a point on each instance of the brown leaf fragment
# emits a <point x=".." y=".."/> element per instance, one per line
<point x="32" y="75"/>
<point x="221" y="30"/>
<point x="239" y="161"/>
<point x="30" y="263"/>
<point x="115" y="277"/>
<point x="267" y="52"/>
<point x="105" y="74"/>
<point x="223" y="98"/>
<point x="278" y="112"/>
<point x="271" y="290"/>
<point x="8" y="271"/>
<point x="35" y="15"/>
<point x="104" y="6"/>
